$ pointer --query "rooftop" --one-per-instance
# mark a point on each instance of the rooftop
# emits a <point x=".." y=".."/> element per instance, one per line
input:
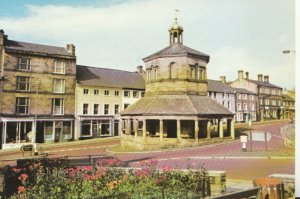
<point x="176" y="50"/>
<point x="104" y="77"/>
<point x="218" y="86"/>
<point x="242" y="90"/>
<point x="176" y="105"/>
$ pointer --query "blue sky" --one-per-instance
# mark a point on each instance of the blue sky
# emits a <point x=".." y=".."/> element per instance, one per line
<point x="247" y="35"/>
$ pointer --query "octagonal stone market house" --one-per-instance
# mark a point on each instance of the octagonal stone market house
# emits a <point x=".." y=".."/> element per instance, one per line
<point x="176" y="109"/>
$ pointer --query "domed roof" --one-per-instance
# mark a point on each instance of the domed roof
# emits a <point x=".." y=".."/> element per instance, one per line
<point x="176" y="26"/>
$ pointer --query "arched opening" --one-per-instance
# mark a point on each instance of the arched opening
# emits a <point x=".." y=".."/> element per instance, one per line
<point x="172" y="70"/>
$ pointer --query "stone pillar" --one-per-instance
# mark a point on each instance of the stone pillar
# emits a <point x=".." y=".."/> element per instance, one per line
<point x="161" y="130"/>
<point x="196" y="130"/>
<point x="232" y="131"/>
<point x="178" y="130"/>
<point x="135" y="126"/>
<point x="220" y="129"/>
<point x="208" y="129"/>
<point x="144" y="129"/>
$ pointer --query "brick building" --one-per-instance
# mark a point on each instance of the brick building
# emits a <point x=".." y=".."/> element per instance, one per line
<point x="37" y="92"/>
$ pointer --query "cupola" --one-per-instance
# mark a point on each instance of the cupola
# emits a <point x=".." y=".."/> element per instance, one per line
<point x="175" y="32"/>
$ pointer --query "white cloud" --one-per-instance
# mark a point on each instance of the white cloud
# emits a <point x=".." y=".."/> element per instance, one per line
<point x="120" y="35"/>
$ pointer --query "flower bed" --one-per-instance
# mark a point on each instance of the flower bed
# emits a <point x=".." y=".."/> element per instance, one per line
<point x="106" y="179"/>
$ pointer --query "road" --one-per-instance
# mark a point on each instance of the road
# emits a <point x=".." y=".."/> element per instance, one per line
<point x="225" y="157"/>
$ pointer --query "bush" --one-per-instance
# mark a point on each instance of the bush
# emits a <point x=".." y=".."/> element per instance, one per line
<point x="105" y="179"/>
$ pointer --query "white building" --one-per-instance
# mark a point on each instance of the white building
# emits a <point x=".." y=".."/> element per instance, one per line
<point x="99" y="97"/>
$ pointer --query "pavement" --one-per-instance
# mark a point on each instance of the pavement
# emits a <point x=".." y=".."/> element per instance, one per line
<point x="241" y="167"/>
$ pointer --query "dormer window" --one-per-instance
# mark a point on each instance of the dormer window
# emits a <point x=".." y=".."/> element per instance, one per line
<point x="24" y="64"/>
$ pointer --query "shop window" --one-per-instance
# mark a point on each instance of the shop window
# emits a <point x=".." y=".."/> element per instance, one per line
<point x="86" y="128"/>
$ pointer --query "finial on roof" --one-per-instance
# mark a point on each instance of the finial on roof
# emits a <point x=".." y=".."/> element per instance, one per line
<point x="176" y="12"/>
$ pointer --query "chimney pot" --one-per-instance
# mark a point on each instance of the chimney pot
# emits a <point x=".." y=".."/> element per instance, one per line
<point x="71" y="49"/>
<point x="223" y="79"/>
<point x="260" y="77"/>
<point x="247" y="75"/>
<point x="240" y="74"/>
<point x="266" y="78"/>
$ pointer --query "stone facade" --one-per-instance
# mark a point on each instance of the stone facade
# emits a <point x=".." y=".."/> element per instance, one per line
<point x="38" y="90"/>
<point x="269" y="104"/>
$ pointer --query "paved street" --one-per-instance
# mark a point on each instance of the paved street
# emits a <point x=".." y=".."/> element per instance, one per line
<point x="227" y="157"/>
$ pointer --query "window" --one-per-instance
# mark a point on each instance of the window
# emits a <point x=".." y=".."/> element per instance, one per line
<point x="239" y="96"/>
<point x="96" y="92"/>
<point x="223" y="96"/>
<point x="252" y="97"/>
<point x="252" y="107"/>
<point x="267" y="102"/>
<point x="22" y="105"/>
<point x="106" y="109"/>
<point x="23" y="83"/>
<point x="244" y="96"/>
<point x="116" y="93"/>
<point x="86" y="128"/>
<point x="229" y="105"/>
<point x="215" y="95"/>
<point x="57" y="106"/>
<point x="105" y="128"/>
<point x="126" y="105"/>
<point x="85" y="109"/>
<point x="117" y="107"/>
<point x="59" y="67"/>
<point x="140" y="125"/>
<point x="143" y="94"/>
<point x="96" y="109"/>
<point x="274" y="102"/>
<point x="239" y="106"/>
<point x="106" y="92"/>
<point x="135" y="94"/>
<point x="85" y="91"/>
<point x="58" y="85"/>
<point x="126" y="93"/>
<point x="24" y="64"/>
<point x="273" y="91"/>
<point x="245" y="107"/>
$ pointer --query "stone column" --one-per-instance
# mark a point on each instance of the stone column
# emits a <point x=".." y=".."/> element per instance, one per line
<point x="220" y="125"/>
<point x="144" y="129"/>
<point x="135" y="126"/>
<point x="232" y="131"/>
<point x="196" y="130"/>
<point x="161" y="130"/>
<point x="178" y="130"/>
<point x="208" y="129"/>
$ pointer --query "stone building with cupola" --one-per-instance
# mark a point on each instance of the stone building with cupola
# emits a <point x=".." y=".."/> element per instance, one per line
<point x="176" y="109"/>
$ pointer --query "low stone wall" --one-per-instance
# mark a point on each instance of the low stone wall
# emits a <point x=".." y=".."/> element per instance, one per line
<point x="289" y="183"/>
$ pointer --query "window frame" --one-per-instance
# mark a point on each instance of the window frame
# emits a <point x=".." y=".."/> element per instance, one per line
<point x="106" y="92"/>
<point x="63" y="67"/>
<point x="85" y="91"/>
<point x="62" y="85"/>
<point x="85" y="109"/>
<point x="27" y="64"/>
<point x="135" y="94"/>
<point x="96" y="92"/>
<point x="26" y="82"/>
<point x="128" y="92"/>
<point x="106" y="109"/>
<point x="96" y="109"/>
<point x="61" y="106"/>
<point x="26" y="105"/>
<point x="117" y="93"/>
<point x="117" y="111"/>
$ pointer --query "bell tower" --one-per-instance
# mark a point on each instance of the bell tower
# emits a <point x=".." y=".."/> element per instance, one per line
<point x="175" y="32"/>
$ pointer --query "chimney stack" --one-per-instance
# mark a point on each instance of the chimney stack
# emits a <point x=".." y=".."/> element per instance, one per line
<point x="2" y="36"/>
<point x="139" y="69"/>
<point x="240" y="74"/>
<point x="260" y="77"/>
<point x="71" y="49"/>
<point x="247" y="75"/>
<point x="266" y="78"/>
<point x="223" y="79"/>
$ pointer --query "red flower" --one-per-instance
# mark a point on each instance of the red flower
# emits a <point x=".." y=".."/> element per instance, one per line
<point x="21" y="189"/>
<point x="23" y="177"/>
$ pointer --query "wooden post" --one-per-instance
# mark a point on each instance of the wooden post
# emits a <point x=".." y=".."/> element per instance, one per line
<point x="144" y="129"/>
<point x="135" y="124"/>
<point x="221" y="133"/>
<point x="232" y="130"/>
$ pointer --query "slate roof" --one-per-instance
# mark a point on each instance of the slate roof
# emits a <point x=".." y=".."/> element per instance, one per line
<point x="104" y="77"/>
<point x="242" y="90"/>
<point x="218" y="86"/>
<point x="176" y="50"/>
<point x="176" y="105"/>
<point x="11" y="45"/>
<point x="287" y="97"/>
<point x="261" y="83"/>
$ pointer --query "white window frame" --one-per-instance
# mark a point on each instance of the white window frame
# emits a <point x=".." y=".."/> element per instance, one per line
<point x="117" y="111"/>
<point x="85" y="91"/>
<point x="59" y="67"/>
<point x="117" y="93"/>
<point x="96" y="92"/>
<point x="126" y="93"/>
<point x="252" y="97"/>
<point x="245" y="106"/>
<point x="239" y="106"/>
<point x="26" y="105"/>
<point x="239" y="96"/>
<point x="106" y="92"/>
<point x="85" y="109"/>
<point x="252" y="107"/>
<point x="26" y="82"/>
<point x="135" y="94"/>
<point x="61" y="83"/>
<point x="98" y="110"/>
<point x="60" y="107"/>
<point x="27" y="64"/>
<point x="127" y="105"/>
<point x="106" y="110"/>
<point x="245" y="96"/>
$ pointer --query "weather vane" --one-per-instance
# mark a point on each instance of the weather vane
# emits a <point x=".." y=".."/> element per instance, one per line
<point x="176" y="12"/>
